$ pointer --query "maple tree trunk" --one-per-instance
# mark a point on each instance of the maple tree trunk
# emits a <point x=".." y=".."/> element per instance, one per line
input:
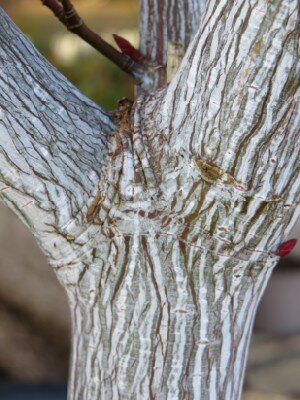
<point x="163" y="227"/>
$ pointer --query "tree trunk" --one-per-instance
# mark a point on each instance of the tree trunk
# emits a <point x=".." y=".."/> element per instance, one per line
<point x="164" y="319"/>
<point x="163" y="224"/>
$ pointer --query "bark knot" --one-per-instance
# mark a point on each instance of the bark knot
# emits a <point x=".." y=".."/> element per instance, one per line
<point x="123" y="114"/>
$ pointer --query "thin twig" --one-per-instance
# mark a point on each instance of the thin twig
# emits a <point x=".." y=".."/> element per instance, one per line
<point x="67" y="14"/>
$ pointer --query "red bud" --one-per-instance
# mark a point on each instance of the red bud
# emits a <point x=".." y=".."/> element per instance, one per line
<point x="127" y="48"/>
<point x="286" y="247"/>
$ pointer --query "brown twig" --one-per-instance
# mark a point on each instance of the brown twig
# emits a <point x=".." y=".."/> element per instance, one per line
<point x="67" y="14"/>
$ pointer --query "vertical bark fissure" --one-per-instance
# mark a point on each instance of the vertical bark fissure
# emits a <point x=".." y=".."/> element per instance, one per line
<point x="168" y="378"/>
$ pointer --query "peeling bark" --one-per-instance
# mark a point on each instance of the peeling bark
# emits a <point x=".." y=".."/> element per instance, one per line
<point x="162" y="224"/>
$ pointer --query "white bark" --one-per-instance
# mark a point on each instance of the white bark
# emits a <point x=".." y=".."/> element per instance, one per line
<point x="188" y="204"/>
<point x="53" y="141"/>
<point x="166" y="29"/>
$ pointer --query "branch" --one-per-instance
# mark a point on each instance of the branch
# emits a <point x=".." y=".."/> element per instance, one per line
<point x="183" y="22"/>
<point x="184" y="19"/>
<point x="166" y="29"/>
<point x="53" y="141"/>
<point x="233" y="103"/>
<point x="70" y="18"/>
<point x="153" y="38"/>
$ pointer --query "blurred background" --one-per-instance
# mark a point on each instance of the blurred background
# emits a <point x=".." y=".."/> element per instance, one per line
<point x="34" y="316"/>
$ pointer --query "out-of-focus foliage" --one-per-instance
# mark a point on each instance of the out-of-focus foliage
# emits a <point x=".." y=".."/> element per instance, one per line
<point x="95" y="76"/>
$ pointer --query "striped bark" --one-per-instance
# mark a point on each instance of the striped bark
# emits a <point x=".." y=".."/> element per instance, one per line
<point x="162" y="224"/>
<point x="166" y="29"/>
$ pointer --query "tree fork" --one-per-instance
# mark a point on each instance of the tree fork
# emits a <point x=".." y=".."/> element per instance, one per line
<point x="165" y="228"/>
